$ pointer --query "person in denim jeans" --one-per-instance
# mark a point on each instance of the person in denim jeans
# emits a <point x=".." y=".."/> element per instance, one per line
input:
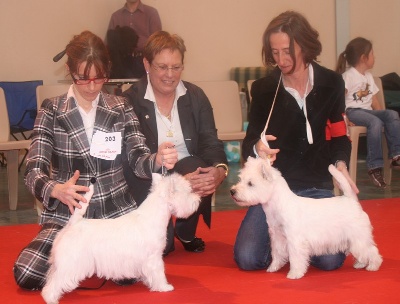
<point x="257" y="252"/>
<point x="305" y="130"/>
<point x="364" y="109"/>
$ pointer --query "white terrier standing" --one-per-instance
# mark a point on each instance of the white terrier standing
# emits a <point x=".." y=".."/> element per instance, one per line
<point x="130" y="246"/>
<point x="302" y="227"/>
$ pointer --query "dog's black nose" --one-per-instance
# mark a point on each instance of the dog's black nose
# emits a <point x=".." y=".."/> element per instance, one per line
<point x="233" y="192"/>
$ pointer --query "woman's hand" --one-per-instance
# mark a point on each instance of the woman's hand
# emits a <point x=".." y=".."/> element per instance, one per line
<point x="68" y="193"/>
<point x="204" y="181"/>
<point x="167" y="155"/>
<point x="266" y="152"/>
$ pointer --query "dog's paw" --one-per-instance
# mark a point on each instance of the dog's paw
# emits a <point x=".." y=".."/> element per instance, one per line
<point x="166" y="287"/>
<point x="374" y="265"/>
<point x="359" y="265"/>
<point x="294" y="275"/>
<point x="163" y="288"/>
<point x="48" y="296"/>
<point x="274" y="267"/>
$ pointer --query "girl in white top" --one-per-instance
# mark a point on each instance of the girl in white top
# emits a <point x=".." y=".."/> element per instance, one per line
<point x="364" y="109"/>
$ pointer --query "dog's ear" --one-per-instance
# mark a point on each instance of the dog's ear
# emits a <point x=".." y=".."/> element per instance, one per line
<point x="265" y="170"/>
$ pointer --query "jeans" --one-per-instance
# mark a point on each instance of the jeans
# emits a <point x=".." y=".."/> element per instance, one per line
<point x="252" y="249"/>
<point x="374" y="121"/>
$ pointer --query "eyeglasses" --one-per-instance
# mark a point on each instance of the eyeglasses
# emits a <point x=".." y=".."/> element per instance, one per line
<point x="96" y="80"/>
<point x="164" y="68"/>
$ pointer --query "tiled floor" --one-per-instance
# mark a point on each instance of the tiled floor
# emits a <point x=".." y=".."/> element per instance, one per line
<point x="27" y="214"/>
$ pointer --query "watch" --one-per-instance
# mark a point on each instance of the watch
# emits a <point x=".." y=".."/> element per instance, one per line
<point x="222" y="165"/>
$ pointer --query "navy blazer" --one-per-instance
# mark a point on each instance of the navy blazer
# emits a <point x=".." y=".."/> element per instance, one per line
<point x="303" y="165"/>
<point x="197" y="123"/>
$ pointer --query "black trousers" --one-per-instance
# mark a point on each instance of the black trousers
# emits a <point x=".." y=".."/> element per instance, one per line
<point x="185" y="229"/>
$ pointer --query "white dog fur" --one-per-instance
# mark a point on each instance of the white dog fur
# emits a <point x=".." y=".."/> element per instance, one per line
<point x="130" y="246"/>
<point x="303" y="227"/>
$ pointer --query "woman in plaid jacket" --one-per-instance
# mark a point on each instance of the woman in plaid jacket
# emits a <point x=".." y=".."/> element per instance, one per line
<point x="81" y="134"/>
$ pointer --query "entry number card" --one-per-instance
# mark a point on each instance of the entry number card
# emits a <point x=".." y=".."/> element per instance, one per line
<point x="106" y="145"/>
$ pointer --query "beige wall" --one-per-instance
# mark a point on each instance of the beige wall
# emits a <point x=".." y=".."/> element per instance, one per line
<point x="378" y="21"/>
<point x="219" y="34"/>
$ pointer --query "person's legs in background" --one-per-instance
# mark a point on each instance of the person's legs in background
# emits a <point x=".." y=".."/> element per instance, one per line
<point x="392" y="132"/>
<point x="374" y="125"/>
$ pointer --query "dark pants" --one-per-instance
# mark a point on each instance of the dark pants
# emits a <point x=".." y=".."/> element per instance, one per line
<point x="184" y="228"/>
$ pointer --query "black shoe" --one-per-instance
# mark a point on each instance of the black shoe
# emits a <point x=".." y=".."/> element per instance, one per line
<point x="395" y="163"/>
<point x="195" y="245"/>
<point x="377" y="177"/>
<point x="168" y="251"/>
<point x="125" y="282"/>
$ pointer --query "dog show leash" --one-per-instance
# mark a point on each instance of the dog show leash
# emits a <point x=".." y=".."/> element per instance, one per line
<point x="262" y="135"/>
<point x="308" y="126"/>
<point x="164" y="170"/>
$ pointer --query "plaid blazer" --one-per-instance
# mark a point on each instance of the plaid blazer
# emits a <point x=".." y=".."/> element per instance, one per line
<point x="59" y="139"/>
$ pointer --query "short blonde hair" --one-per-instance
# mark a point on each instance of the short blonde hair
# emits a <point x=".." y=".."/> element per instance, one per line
<point x="160" y="41"/>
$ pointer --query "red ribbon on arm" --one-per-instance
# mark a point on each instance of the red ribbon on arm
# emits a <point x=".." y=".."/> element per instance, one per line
<point x="335" y="129"/>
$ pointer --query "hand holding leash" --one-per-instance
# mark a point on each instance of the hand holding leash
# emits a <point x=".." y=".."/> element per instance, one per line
<point x="268" y="154"/>
<point x="263" y="149"/>
<point x="167" y="156"/>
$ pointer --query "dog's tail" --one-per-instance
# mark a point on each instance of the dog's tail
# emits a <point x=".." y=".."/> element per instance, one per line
<point x="344" y="184"/>
<point x="79" y="213"/>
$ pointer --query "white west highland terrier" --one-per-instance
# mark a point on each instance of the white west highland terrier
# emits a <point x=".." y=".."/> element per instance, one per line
<point x="302" y="227"/>
<point x="130" y="246"/>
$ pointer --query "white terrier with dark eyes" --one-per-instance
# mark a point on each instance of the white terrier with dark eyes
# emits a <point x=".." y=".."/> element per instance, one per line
<point x="130" y="246"/>
<point x="302" y="227"/>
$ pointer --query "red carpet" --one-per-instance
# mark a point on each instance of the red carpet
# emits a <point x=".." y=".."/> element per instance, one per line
<point x="212" y="277"/>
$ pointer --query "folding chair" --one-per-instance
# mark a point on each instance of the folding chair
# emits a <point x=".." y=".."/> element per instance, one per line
<point x="21" y="107"/>
<point x="11" y="150"/>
